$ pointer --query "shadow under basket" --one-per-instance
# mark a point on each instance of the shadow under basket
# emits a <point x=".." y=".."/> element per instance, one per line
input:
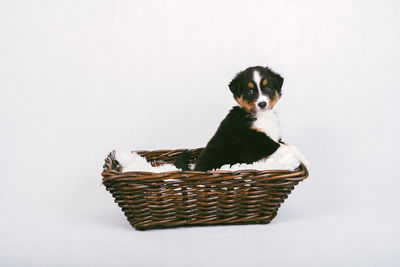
<point x="182" y="198"/>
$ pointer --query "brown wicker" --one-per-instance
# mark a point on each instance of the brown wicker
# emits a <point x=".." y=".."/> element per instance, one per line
<point x="194" y="197"/>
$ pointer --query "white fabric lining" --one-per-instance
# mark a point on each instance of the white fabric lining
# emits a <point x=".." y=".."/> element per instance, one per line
<point x="287" y="157"/>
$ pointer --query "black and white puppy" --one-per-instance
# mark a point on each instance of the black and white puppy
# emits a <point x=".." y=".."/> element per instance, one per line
<point x="251" y="131"/>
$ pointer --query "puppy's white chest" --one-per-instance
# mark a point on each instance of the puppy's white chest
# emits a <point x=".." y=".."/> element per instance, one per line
<point x="267" y="122"/>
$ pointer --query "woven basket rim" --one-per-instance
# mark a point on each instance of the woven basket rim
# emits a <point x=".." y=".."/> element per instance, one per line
<point x="110" y="174"/>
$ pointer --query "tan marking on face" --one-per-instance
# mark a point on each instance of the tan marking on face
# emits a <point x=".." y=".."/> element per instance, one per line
<point x="250" y="107"/>
<point x="273" y="101"/>
<point x="265" y="82"/>
<point x="251" y="85"/>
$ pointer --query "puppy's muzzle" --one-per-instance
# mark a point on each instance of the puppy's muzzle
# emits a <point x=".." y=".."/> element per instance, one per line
<point x="262" y="104"/>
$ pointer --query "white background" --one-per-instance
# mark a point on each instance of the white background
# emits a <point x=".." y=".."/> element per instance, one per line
<point x="80" y="78"/>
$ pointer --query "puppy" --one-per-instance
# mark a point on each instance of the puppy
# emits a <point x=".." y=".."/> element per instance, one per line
<point x="251" y="131"/>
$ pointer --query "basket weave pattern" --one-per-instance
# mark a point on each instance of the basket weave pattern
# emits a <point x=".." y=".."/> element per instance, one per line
<point x="177" y="198"/>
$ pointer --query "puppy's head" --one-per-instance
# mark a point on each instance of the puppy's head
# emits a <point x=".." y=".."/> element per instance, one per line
<point x="256" y="88"/>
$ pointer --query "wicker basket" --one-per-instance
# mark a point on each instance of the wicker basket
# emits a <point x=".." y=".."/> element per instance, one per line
<point x="194" y="197"/>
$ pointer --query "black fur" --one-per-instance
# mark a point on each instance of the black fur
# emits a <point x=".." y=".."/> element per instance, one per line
<point x="235" y="141"/>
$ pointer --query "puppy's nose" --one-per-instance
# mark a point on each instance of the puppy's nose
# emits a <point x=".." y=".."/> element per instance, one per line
<point x="262" y="104"/>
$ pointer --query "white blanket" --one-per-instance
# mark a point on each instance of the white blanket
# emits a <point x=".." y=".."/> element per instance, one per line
<point x="287" y="157"/>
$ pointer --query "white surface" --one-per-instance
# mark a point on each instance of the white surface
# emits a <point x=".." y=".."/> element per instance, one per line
<point x="81" y="78"/>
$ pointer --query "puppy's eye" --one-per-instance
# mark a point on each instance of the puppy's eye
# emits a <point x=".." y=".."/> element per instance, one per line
<point x="250" y="91"/>
<point x="267" y="88"/>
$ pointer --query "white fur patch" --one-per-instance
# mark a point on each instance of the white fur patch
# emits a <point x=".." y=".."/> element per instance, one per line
<point x="261" y="98"/>
<point x="257" y="79"/>
<point x="267" y="121"/>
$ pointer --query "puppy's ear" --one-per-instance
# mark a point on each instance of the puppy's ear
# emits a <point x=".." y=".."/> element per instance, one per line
<point x="234" y="86"/>
<point x="278" y="79"/>
<point x="279" y="82"/>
